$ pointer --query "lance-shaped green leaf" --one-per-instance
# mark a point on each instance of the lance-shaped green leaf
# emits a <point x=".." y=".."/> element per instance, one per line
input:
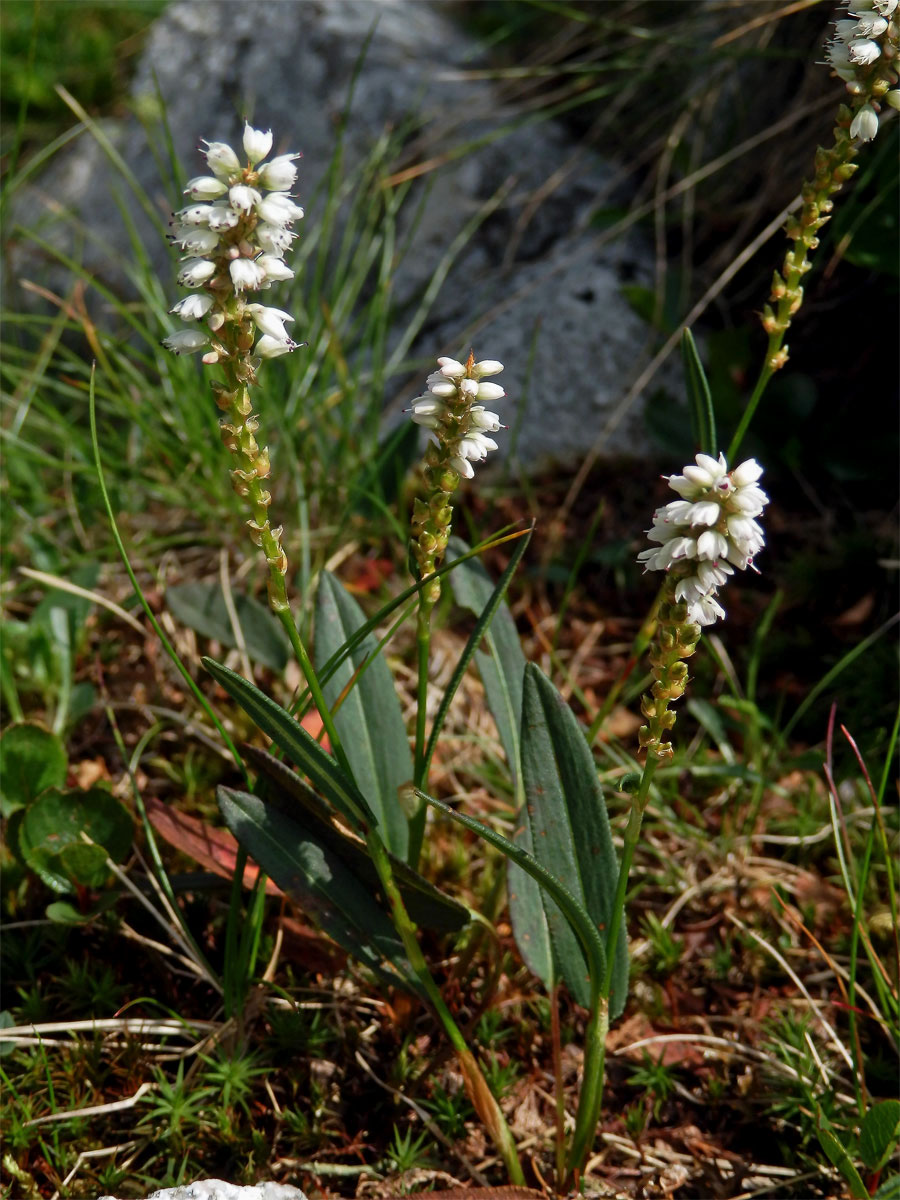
<point x="326" y="888"/>
<point x="584" y="928"/>
<point x="369" y="720"/>
<point x="202" y="606"/>
<point x="296" y="743"/>
<point x="501" y="664"/>
<point x="569" y="826"/>
<point x="283" y="787"/>
<point x="703" y="417"/>
<point x="502" y="669"/>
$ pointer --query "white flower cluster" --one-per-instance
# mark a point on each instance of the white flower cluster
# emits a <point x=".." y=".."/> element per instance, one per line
<point x="713" y="523"/>
<point x="449" y="408"/>
<point x="871" y="36"/>
<point x="234" y="236"/>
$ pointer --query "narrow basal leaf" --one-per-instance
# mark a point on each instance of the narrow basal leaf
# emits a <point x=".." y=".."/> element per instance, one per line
<point x="570" y="830"/>
<point x="296" y="743"/>
<point x="320" y="881"/>
<point x="202" y="607"/>
<point x="501" y="664"/>
<point x="369" y="720"/>
<point x="703" y="418"/>
<point x="502" y="668"/>
<point x="585" y="929"/>
<point x="427" y="906"/>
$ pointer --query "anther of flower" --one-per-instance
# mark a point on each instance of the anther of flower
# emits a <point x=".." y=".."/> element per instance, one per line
<point x="863" y="53"/>
<point x="452" y="409"/>
<point x="708" y="532"/>
<point x="235" y="233"/>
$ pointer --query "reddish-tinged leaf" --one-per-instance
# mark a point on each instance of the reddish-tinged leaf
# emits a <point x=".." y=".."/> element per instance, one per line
<point x="368" y="575"/>
<point x="215" y="849"/>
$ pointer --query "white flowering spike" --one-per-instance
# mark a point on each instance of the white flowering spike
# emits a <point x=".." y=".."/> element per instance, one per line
<point x="864" y="55"/>
<point x="257" y="143"/>
<point x="236" y="235"/>
<point x="460" y="426"/>
<point x="708" y="532"/>
<point x="234" y="238"/>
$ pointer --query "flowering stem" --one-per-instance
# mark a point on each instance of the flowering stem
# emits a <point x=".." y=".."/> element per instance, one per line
<point x="420" y="765"/>
<point x="482" y="1098"/>
<point x="833" y="168"/>
<point x="460" y="429"/>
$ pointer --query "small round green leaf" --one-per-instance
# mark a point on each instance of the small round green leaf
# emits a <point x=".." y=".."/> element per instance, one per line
<point x="51" y="841"/>
<point x="31" y="759"/>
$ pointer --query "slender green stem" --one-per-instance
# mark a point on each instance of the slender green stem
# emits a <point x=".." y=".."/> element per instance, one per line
<point x="312" y="680"/>
<point x="591" y="1098"/>
<point x="775" y="340"/>
<point x="484" y="1101"/>
<point x="420" y="762"/>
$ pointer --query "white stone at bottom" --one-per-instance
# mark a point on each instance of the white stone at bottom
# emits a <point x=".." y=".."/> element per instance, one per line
<point x="218" y="1189"/>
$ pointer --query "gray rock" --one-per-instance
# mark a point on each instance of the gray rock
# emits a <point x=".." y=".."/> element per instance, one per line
<point x="531" y="278"/>
<point x="218" y="1189"/>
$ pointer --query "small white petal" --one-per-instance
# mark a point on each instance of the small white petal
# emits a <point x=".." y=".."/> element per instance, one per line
<point x="746" y="472"/>
<point x="865" y="124"/>
<point x="186" y="341"/>
<point x="712" y="545"/>
<point x="463" y="467"/>
<point x="222" y="160"/>
<point x="245" y="273"/>
<point x="195" y="214"/>
<point x="196" y="271"/>
<point x="270" y="347"/>
<point x="269" y="320"/>
<point x="205" y="187"/>
<point x="257" y="143"/>
<point x="274" y="268"/>
<point x="279" y="209"/>
<point x="490" y="391"/>
<point x="280" y="174"/>
<point x="195" y="240"/>
<point x="864" y="51"/>
<point x="451" y="368"/>
<point x="444" y="388"/>
<point x="480" y="418"/>
<point x="274" y="239"/>
<point x="222" y="217"/>
<point x="487" y="366"/>
<point x="192" y="308"/>
<point x="243" y="199"/>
